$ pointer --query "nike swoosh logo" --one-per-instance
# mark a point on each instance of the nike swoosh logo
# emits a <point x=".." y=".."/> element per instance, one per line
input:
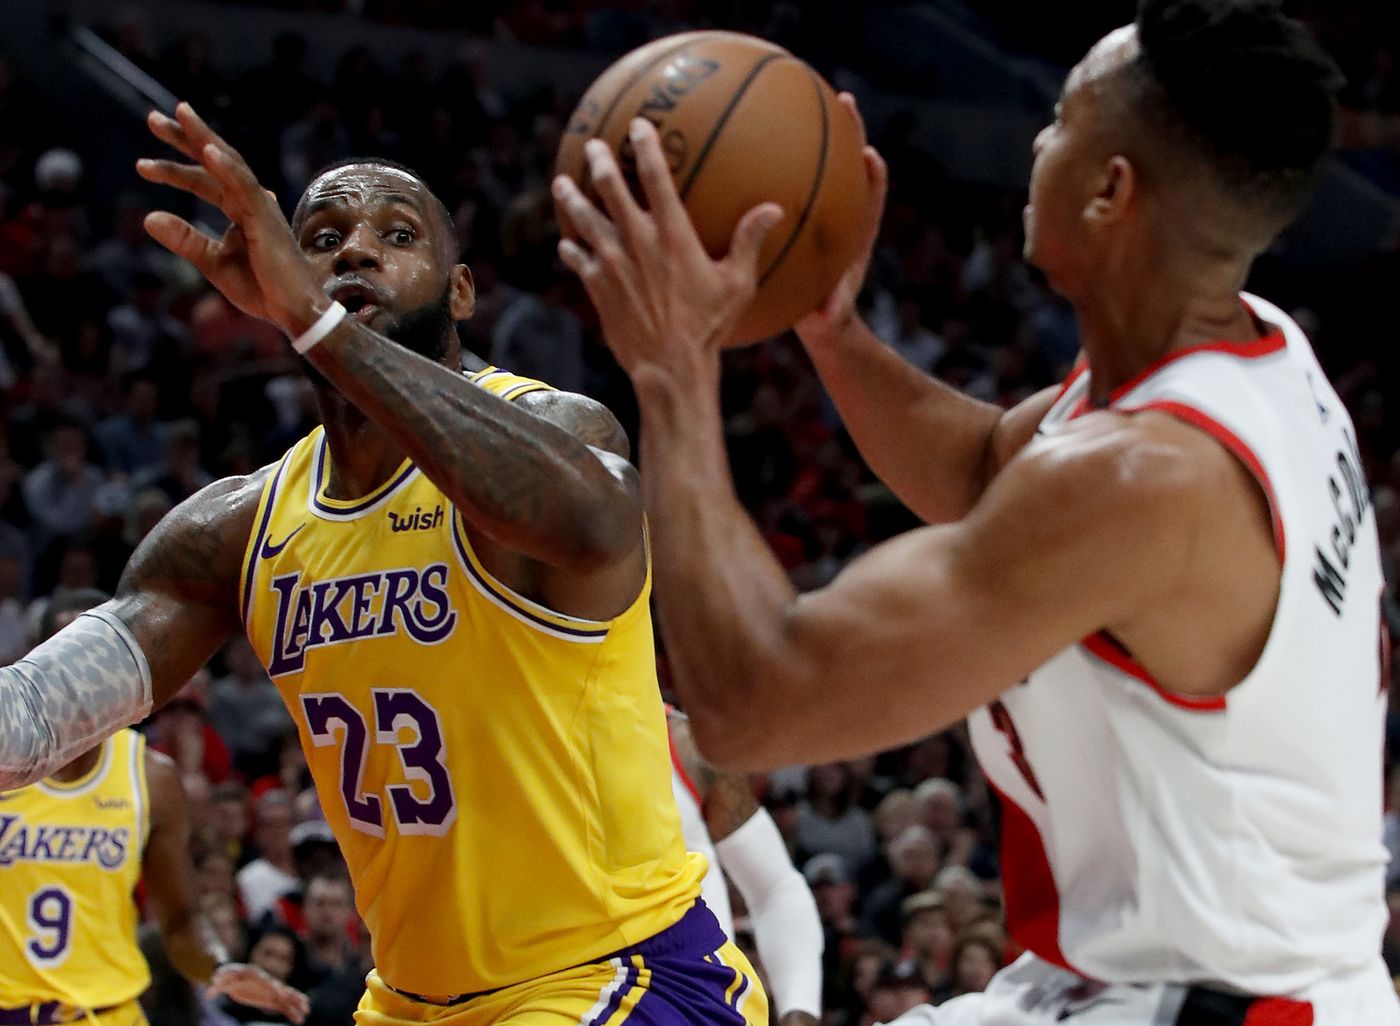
<point x="1097" y="1002"/>
<point x="269" y="550"/>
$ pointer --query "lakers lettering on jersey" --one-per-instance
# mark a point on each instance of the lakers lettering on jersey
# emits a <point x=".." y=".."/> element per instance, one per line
<point x="70" y="857"/>
<point x="494" y="771"/>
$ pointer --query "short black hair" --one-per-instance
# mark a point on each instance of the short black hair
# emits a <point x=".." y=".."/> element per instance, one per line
<point x="446" y="224"/>
<point x="1247" y="89"/>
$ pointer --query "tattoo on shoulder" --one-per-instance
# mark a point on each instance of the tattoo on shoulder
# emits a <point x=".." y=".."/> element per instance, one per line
<point x="201" y="541"/>
<point x="586" y="419"/>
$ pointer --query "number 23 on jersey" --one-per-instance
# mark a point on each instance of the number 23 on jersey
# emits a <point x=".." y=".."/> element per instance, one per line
<point x="401" y="719"/>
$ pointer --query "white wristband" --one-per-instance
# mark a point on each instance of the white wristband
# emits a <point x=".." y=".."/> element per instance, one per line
<point x="325" y="324"/>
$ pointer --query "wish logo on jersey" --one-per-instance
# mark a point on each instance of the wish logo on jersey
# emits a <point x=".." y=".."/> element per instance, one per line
<point x="21" y="842"/>
<point x="408" y="600"/>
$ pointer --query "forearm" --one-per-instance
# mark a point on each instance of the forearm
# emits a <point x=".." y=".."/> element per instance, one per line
<point x="786" y="924"/>
<point x="925" y="440"/>
<point x="723" y="597"/>
<point x="193" y="948"/>
<point x="526" y="483"/>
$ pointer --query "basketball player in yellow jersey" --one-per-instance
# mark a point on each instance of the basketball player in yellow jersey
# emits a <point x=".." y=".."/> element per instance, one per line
<point x="449" y="582"/>
<point x="72" y="848"/>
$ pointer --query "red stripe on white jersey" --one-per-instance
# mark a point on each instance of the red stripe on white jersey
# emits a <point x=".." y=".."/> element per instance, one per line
<point x="1031" y="897"/>
<point x="1106" y="647"/>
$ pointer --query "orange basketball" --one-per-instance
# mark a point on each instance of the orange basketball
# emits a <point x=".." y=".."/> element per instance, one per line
<point x="742" y="121"/>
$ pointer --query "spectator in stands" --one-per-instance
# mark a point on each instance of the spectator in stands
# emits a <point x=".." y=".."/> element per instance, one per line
<point x="328" y="908"/>
<point x="246" y="709"/>
<point x="274" y="872"/>
<point x="926" y="941"/>
<point x="829" y="877"/>
<point x="898" y="989"/>
<point x="828" y="821"/>
<point x="59" y="492"/>
<point x="940" y="804"/>
<point x="914" y="857"/>
<point x="975" y="958"/>
<point x="132" y="440"/>
<point x="130" y="254"/>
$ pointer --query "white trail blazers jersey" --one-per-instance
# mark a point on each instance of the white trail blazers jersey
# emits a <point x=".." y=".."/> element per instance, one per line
<point x="1150" y="837"/>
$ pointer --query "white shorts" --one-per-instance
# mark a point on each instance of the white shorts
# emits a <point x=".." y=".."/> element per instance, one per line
<point x="1030" y="992"/>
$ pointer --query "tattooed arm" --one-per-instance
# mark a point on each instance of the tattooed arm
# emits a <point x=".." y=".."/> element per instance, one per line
<point x="786" y="924"/>
<point x="526" y="483"/>
<point x="177" y="603"/>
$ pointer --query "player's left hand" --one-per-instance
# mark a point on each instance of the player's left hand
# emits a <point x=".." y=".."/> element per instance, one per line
<point x="249" y="985"/>
<point x="257" y="265"/>
<point x="666" y="305"/>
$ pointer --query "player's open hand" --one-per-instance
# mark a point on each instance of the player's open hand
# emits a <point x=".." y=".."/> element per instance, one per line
<point x="257" y="264"/>
<point x="839" y="309"/>
<point x="249" y="985"/>
<point x="666" y="305"/>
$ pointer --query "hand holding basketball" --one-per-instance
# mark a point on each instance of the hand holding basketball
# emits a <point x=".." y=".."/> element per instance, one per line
<point x="838" y="310"/>
<point x="661" y="297"/>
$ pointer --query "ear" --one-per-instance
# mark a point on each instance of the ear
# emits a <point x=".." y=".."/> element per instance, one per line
<point x="461" y="293"/>
<point x="1116" y="192"/>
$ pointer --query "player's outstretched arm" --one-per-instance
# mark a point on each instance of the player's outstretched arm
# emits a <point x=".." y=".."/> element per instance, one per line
<point x="786" y="924"/>
<point x="524" y="482"/>
<point x="188" y="938"/>
<point x="176" y="604"/>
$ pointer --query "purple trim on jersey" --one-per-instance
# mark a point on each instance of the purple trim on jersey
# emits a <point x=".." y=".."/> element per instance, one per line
<point x="372" y="499"/>
<point x="610" y="1009"/>
<point x="696" y="933"/>
<point x="510" y="600"/>
<point x="258" y="539"/>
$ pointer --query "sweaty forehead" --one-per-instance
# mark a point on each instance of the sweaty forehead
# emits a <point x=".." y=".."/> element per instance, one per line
<point x="1110" y="54"/>
<point x="363" y="184"/>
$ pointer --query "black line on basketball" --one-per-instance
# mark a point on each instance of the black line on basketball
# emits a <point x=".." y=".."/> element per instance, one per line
<point x="627" y="86"/>
<point x="724" y="116"/>
<point x="816" y="184"/>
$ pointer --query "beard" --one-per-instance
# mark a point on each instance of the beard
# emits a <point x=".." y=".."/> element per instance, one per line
<point x="424" y="330"/>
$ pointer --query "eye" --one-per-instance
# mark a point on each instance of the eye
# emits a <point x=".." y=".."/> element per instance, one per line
<point x="325" y="240"/>
<point x="401" y="236"/>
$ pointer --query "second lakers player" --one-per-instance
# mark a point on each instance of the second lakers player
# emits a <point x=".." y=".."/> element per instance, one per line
<point x="72" y="848"/>
<point x="473" y="679"/>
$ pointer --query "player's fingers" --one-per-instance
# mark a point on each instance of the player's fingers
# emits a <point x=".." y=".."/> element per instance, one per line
<point x="612" y="188"/>
<point x="188" y="177"/>
<point x="168" y="131"/>
<point x="577" y="259"/>
<point x="183" y="239"/>
<point x="663" y="200"/>
<point x="748" y="238"/>
<point x="848" y="101"/>
<point x="596" y="231"/>
<point x="877" y="177"/>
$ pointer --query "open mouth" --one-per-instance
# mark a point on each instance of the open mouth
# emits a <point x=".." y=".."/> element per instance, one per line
<point x="358" y="298"/>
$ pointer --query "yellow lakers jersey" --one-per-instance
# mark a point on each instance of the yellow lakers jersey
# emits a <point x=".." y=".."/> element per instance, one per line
<point x="496" y="773"/>
<point x="70" y="857"/>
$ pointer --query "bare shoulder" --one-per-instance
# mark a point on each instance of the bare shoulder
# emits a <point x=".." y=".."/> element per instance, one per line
<point x="200" y="543"/>
<point x="586" y="419"/>
<point x="179" y="593"/>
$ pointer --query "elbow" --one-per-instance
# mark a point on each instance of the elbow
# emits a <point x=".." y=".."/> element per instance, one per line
<point x="604" y="534"/>
<point x="748" y="729"/>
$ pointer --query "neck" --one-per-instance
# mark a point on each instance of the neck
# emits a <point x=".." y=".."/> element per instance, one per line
<point x="1126" y="326"/>
<point x="83" y="764"/>
<point x="363" y="457"/>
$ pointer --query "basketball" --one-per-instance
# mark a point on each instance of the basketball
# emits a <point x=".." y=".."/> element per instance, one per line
<point x="742" y="121"/>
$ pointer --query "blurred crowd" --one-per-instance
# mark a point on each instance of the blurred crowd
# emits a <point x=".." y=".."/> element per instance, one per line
<point x="126" y="385"/>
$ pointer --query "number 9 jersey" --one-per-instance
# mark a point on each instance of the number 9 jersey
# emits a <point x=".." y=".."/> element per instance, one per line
<point x="70" y="858"/>
<point x="496" y="773"/>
